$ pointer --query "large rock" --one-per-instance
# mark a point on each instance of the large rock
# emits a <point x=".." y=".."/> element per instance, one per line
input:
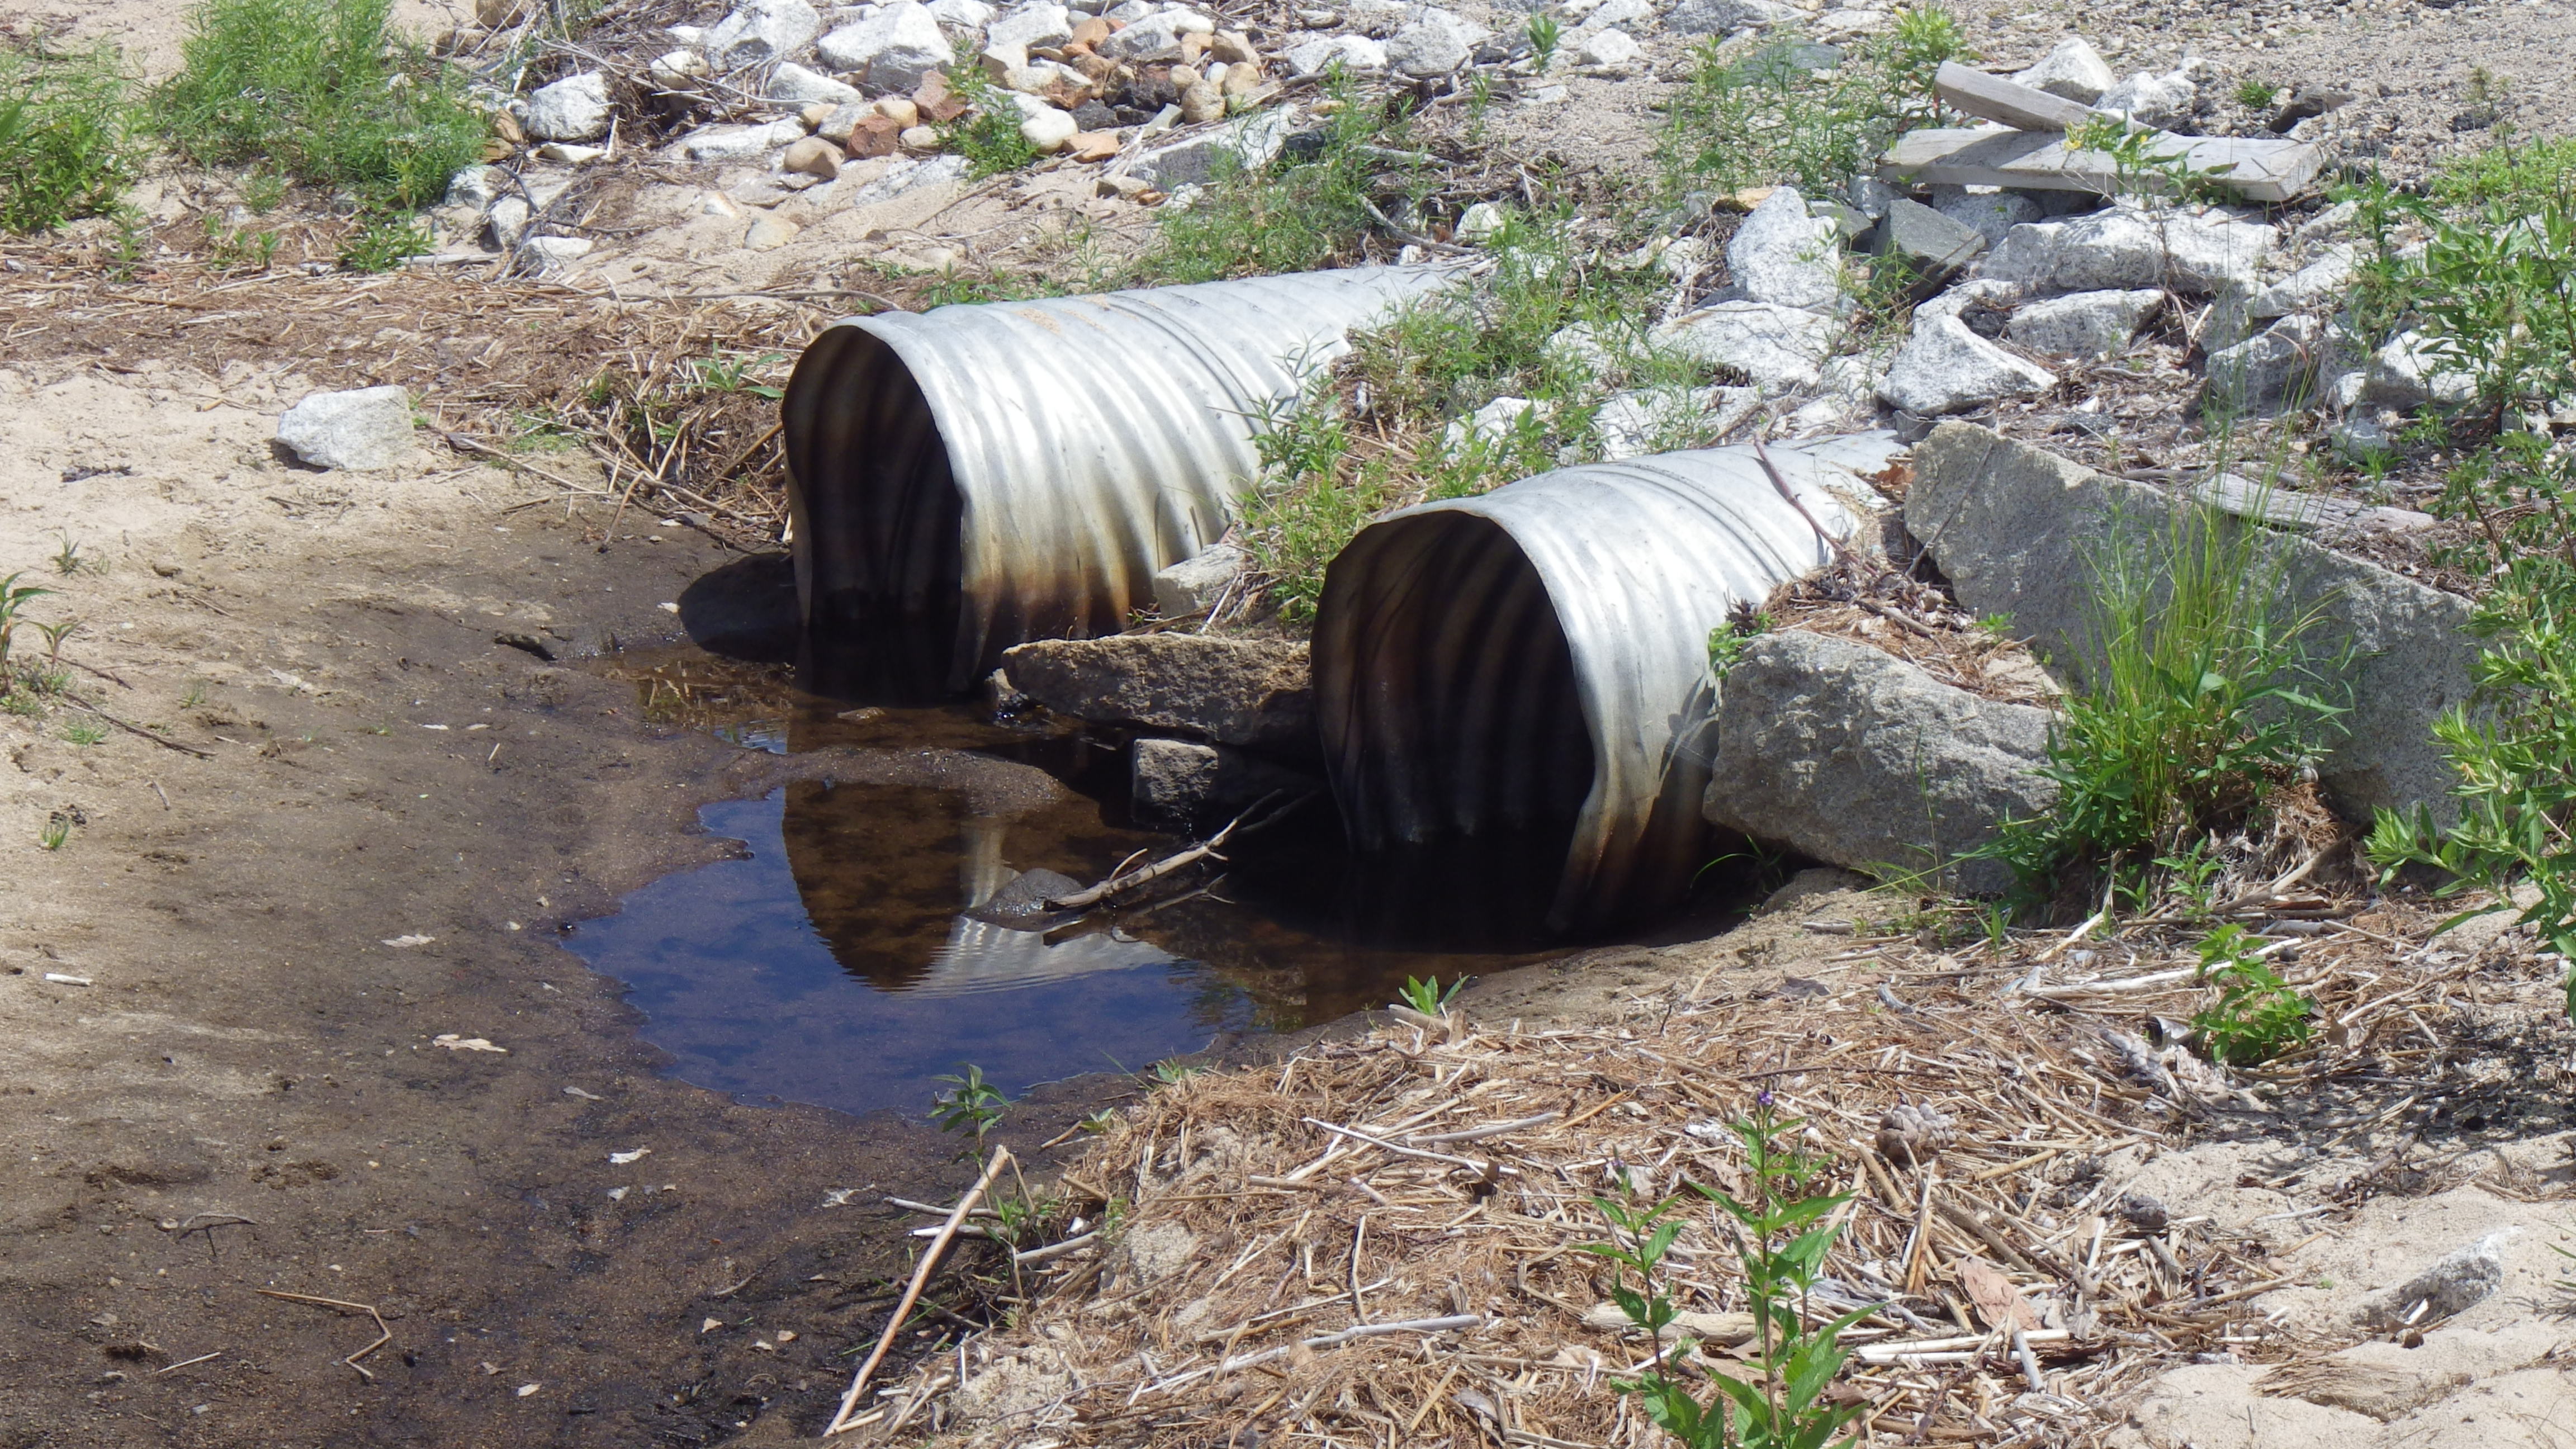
<point x="1782" y="254"/>
<point x="1192" y="161"/>
<point x="363" y="430"/>
<point x="2015" y="529"/>
<point x="2269" y="374"/>
<point x="1721" y="17"/>
<point x="760" y="31"/>
<point x="1157" y="37"/>
<point x="1228" y="691"/>
<point x="1947" y="368"/>
<point x="1931" y="246"/>
<point x="2166" y="100"/>
<point x="891" y="50"/>
<point x="1178" y="784"/>
<point x="1778" y="349"/>
<point x="1197" y="583"/>
<point x="2085" y="324"/>
<point x="1435" y="45"/>
<point x="1853" y="756"/>
<point x="2199" y="252"/>
<point x="572" y="109"/>
<point x="2074" y="70"/>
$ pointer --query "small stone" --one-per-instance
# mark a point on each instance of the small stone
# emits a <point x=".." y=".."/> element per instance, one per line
<point x="1479" y="223"/>
<point x="1234" y="48"/>
<point x="1782" y="254"/>
<point x="572" y="109"/>
<point x="1157" y="37"/>
<point x="837" y="126"/>
<point x="1024" y="26"/>
<point x="902" y="112"/>
<point x="1241" y="79"/>
<point x="961" y="14"/>
<point x="2363" y="438"/>
<point x="2412" y="370"/>
<point x="793" y="84"/>
<point x="509" y="221"/>
<point x="1090" y="30"/>
<point x="363" y="430"/>
<point x="1051" y="130"/>
<point x="2074" y="70"/>
<point x="1128" y="187"/>
<point x="1190" y="587"/>
<point x="1911" y="1136"/>
<point x="736" y="143"/>
<point x="938" y="104"/>
<point x="872" y="137"/>
<point x="1202" y="102"/>
<point x="2459" y="1280"/>
<point x="2085" y="324"/>
<point x="2266" y="375"/>
<point x="813" y="156"/>
<point x="1946" y="368"/>
<point x="564" y="153"/>
<point x="813" y="116"/>
<point x="894" y="49"/>
<point x="760" y="31"/>
<point x="550" y="252"/>
<point x="1932" y="246"/>
<point x="1093" y="145"/>
<point x="676" y="69"/>
<point x="1608" y="50"/>
<point x="770" y="233"/>
<point x="1988" y="212"/>
<point x="1355" y="52"/>
<point x="2156" y="100"/>
<point x="919" y="138"/>
<point x="1434" y="45"/>
<point x="1495" y="422"/>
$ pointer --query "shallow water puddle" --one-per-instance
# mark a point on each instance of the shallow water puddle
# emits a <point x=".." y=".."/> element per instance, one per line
<point x="836" y="960"/>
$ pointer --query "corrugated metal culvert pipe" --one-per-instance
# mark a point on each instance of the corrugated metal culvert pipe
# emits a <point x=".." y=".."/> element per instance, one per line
<point x="1534" y="661"/>
<point x="973" y="477"/>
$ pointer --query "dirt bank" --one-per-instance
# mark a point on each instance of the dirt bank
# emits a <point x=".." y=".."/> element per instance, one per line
<point x="375" y="824"/>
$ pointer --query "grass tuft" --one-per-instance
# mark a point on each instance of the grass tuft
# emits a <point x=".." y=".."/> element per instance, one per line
<point x="325" y="90"/>
<point x="65" y="146"/>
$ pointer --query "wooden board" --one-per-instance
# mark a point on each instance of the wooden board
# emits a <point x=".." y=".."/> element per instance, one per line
<point x="2258" y="170"/>
<point x="1993" y="98"/>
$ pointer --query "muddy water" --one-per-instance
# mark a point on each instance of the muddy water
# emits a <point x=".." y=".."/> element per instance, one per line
<point x="835" y="960"/>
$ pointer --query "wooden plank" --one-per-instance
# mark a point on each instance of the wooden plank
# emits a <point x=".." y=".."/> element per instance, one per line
<point x="2280" y="507"/>
<point x="1993" y="98"/>
<point x="2258" y="170"/>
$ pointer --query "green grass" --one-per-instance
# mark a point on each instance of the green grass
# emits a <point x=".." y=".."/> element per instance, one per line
<point x="989" y="137"/>
<point x="66" y="145"/>
<point x="324" y="90"/>
<point x="1764" y="119"/>
<point x="2200" y="695"/>
<point x="1307" y="208"/>
<point x="382" y="240"/>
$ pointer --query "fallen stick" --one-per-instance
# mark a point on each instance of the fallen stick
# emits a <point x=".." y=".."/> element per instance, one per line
<point x="384" y="1335"/>
<point x="1329" y="1340"/>
<point x="912" y="1291"/>
<point x="136" y="729"/>
<point x="1147" y="875"/>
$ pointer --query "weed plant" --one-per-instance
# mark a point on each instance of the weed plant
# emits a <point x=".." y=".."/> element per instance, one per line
<point x="989" y="137"/>
<point x="1773" y="117"/>
<point x="1780" y="1247"/>
<point x="2258" y="1016"/>
<point x="65" y="144"/>
<point x="382" y="240"/>
<point x="1306" y="208"/>
<point x="2201" y="695"/>
<point x="325" y="90"/>
<point x="14" y="597"/>
<point x="1430" y="997"/>
<point x="970" y="1106"/>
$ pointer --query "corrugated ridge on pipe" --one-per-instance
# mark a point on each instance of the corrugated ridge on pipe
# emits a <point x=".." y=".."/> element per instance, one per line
<point x="1536" y="659"/>
<point x="973" y="477"/>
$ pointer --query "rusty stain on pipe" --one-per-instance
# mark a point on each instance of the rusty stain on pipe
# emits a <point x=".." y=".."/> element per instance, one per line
<point x="1536" y="659"/>
<point x="973" y="477"/>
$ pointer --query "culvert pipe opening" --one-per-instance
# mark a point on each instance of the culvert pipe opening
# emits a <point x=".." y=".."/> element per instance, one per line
<point x="974" y="477"/>
<point x="1534" y="662"/>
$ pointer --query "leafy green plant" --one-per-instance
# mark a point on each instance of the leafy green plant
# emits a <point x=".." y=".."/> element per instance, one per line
<point x="1780" y="1248"/>
<point x="1171" y="1074"/>
<point x="231" y="248"/>
<point x="55" y="832"/>
<point x="1786" y="113"/>
<point x="13" y="602"/>
<point x="2141" y="166"/>
<point x="1308" y="207"/>
<point x="55" y="634"/>
<point x="989" y="137"/>
<point x="2200" y="695"/>
<point x="717" y="372"/>
<point x="1101" y="1120"/>
<point x="2256" y="94"/>
<point x="66" y="149"/>
<point x="325" y="90"/>
<point x="1546" y="33"/>
<point x="970" y="1105"/>
<point x="383" y="240"/>
<point x="1430" y="997"/>
<point x="84" y="732"/>
<point x="2258" y="1016"/>
<point x="67" y="559"/>
<point x="1726" y="642"/>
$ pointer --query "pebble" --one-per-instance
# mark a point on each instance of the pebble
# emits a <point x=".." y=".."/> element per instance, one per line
<point x="770" y="233"/>
<point x="1200" y="102"/>
<point x="1051" y="130"/>
<point x="813" y="156"/>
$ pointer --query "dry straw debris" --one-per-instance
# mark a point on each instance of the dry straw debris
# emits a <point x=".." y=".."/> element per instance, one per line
<point x="1381" y="1241"/>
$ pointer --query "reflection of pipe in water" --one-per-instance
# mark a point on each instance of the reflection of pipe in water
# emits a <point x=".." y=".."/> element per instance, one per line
<point x="973" y="477"/>
<point x="1536" y="659"/>
<point x="983" y="956"/>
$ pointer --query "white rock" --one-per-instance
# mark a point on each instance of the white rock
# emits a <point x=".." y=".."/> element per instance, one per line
<point x="363" y="430"/>
<point x="1946" y="368"/>
<point x="770" y="233"/>
<point x="1128" y="12"/>
<point x="1156" y="37"/>
<point x="1039" y="77"/>
<point x="909" y="174"/>
<point x="2320" y="284"/>
<point x="1039" y="23"/>
<point x="1607" y="50"/>
<point x="564" y="153"/>
<point x="2074" y="70"/>
<point x="2085" y="324"/>
<point x="1843" y="24"/>
<point x="1479" y="223"/>
<point x="1722" y="17"/>
<point x="1191" y="161"/>
<point x="2363" y="437"/>
<point x="509" y="219"/>
<point x="477" y="187"/>
<point x="1355" y="52"/>
<point x="735" y="143"/>
<point x="794" y="85"/>
<point x="962" y="14"/>
<point x="676" y="69"/>
<point x="1781" y="254"/>
<point x="1985" y="210"/>
<point x="1956" y="301"/>
<point x="2269" y="374"/>
<point x="892" y="49"/>
<point x="1635" y="424"/>
<point x="1494" y="422"/>
<point x="759" y="31"/>
<point x="2413" y="369"/>
<point x="2156" y="100"/>
<point x="1049" y="129"/>
<point x="1779" y="349"/>
<point x="572" y="109"/>
<point x="2192" y="252"/>
<point x="1195" y="583"/>
<point x="1431" y="46"/>
<point x="689" y="35"/>
<point x="1629" y="15"/>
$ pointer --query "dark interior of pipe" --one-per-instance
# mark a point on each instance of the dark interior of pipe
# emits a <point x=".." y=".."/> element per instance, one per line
<point x="881" y="518"/>
<point x="1460" y="720"/>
